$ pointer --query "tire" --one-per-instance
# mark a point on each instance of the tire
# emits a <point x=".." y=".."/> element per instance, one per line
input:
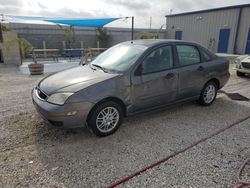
<point x="206" y="100"/>
<point x="240" y="74"/>
<point x="105" y="124"/>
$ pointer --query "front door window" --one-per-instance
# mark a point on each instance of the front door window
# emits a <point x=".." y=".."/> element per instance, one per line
<point x="158" y="60"/>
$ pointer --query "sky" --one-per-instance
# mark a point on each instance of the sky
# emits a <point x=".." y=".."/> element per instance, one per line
<point x="142" y="10"/>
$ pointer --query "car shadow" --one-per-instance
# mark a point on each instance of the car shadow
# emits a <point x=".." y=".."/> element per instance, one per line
<point x="77" y="158"/>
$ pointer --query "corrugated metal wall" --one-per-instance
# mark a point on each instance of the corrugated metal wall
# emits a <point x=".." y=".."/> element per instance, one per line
<point x="53" y="35"/>
<point x="243" y="31"/>
<point x="204" y="27"/>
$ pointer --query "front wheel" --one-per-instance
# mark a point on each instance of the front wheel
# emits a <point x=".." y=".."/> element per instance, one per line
<point x="106" y="118"/>
<point x="208" y="94"/>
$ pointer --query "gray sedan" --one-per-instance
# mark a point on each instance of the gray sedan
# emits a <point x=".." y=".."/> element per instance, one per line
<point x="129" y="78"/>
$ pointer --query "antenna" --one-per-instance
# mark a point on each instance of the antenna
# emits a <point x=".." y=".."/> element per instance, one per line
<point x="150" y="22"/>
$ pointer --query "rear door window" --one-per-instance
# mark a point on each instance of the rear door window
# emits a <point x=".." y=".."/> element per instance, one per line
<point x="188" y="55"/>
<point x="206" y="56"/>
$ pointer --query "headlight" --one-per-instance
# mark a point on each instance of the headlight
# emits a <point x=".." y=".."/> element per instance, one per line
<point x="237" y="61"/>
<point x="59" y="98"/>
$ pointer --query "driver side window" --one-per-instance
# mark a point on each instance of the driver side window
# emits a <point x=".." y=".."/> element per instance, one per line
<point x="158" y="60"/>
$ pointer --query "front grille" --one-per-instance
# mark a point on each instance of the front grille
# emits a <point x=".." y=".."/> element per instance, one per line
<point x="245" y="65"/>
<point x="41" y="94"/>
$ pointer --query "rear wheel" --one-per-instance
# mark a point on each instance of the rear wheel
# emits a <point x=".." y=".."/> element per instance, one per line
<point x="106" y="118"/>
<point x="240" y="74"/>
<point x="208" y="94"/>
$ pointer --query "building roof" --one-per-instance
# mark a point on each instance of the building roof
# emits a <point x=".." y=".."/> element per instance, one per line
<point x="209" y="10"/>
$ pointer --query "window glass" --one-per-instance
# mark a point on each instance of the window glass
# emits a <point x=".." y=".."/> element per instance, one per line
<point x="158" y="60"/>
<point x="120" y="57"/>
<point x="206" y="56"/>
<point x="188" y="55"/>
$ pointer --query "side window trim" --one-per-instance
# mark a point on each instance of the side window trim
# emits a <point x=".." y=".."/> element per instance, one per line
<point x="203" y="52"/>
<point x="161" y="46"/>
<point x="177" y="55"/>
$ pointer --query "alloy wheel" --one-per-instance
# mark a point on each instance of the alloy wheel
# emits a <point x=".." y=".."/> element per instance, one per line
<point x="209" y="93"/>
<point x="107" y="119"/>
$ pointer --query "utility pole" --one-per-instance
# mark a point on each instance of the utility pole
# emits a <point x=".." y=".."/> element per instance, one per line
<point x="132" y="37"/>
<point x="2" y="17"/>
<point x="150" y="22"/>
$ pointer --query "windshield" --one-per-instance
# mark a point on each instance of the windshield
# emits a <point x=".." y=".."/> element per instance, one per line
<point x="120" y="57"/>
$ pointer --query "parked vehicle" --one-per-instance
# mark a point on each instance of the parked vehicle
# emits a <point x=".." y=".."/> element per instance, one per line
<point x="128" y="78"/>
<point x="242" y="65"/>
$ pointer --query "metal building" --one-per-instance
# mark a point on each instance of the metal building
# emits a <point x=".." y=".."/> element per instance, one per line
<point x="222" y="30"/>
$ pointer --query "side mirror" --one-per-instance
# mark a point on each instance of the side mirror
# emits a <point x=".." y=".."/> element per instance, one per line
<point x="139" y="70"/>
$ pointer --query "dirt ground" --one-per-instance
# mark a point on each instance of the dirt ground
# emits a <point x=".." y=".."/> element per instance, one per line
<point x="33" y="154"/>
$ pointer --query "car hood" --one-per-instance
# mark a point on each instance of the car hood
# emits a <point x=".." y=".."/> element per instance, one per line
<point x="246" y="59"/>
<point x="73" y="80"/>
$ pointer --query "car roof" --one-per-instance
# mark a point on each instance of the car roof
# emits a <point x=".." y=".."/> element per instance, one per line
<point x="153" y="42"/>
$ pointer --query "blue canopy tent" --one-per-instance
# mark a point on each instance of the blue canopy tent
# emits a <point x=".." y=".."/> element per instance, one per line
<point x="89" y="22"/>
<point x="85" y="22"/>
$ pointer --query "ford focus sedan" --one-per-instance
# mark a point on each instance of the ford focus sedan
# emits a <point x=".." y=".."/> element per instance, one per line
<point x="129" y="78"/>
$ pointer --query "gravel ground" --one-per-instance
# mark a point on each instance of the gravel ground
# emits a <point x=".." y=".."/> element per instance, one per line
<point x="35" y="155"/>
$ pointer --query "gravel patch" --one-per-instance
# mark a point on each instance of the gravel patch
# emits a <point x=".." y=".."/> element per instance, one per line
<point x="33" y="154"/>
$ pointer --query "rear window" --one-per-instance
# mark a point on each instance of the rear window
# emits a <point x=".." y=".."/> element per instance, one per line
<point x="188" y="55"/>
<point x="206" y="55"/>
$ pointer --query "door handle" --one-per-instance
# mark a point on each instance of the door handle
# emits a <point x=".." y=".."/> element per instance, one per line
<point x="169" y="75"/>
<point x="200" y="68"/>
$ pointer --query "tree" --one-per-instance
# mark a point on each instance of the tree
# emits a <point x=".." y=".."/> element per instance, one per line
<point x="69" y="35"/>
<point x="25" y="47"/>
<point x="146" y="35"/>
<point x="102" y="36"/>
<point x="4" y="28"/>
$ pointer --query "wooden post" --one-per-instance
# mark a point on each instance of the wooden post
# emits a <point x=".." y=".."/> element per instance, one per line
<point x="44" y="47"/>
<point x="82" y="51"/>
<point x="34" y="56"/>
<point x="98" y="46"/>
<point x="64" y="44"/>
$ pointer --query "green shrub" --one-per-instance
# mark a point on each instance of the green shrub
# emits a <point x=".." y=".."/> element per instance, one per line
<point x="146" y="35"/>
<point x="25" y="47"/>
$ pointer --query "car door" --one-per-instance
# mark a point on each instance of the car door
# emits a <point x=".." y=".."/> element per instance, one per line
<point x="156" y="82"/>
<point x="192" y="72"/>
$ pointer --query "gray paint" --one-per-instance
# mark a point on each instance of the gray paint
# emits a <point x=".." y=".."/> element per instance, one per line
<point x="137" y="92"/>
<point x="203" y="27"/>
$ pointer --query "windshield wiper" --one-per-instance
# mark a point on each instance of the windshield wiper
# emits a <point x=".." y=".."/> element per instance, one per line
<point x="100" y="67"/>
<point x="91" y="66"/>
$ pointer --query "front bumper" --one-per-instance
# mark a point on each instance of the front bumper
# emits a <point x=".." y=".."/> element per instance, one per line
<point x="239" y="68"/>
<point x="58" y="115"/>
